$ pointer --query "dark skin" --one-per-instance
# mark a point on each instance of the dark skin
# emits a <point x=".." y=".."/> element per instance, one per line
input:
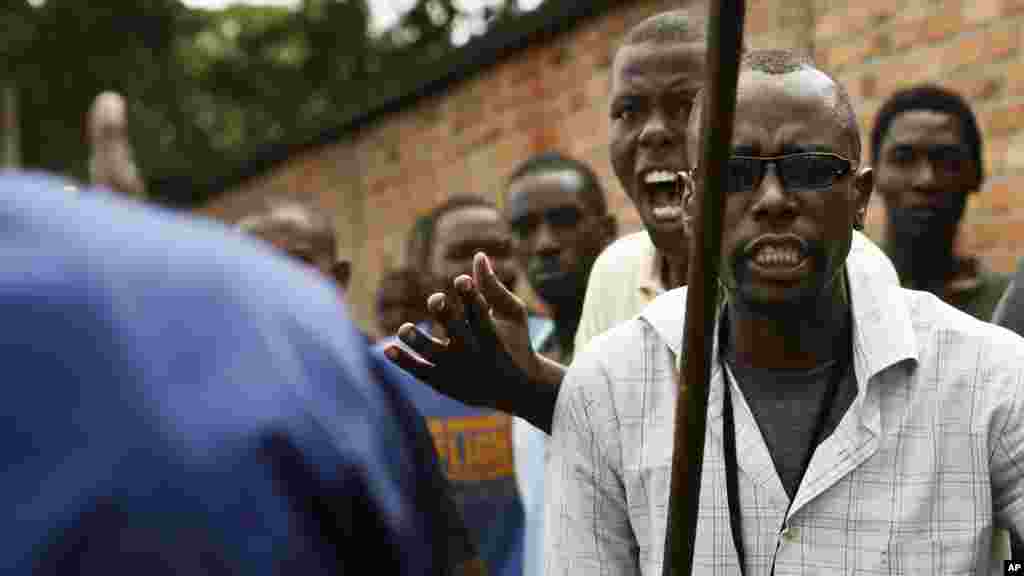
<point x="559" y="236"/>
<point x="653" y="89"/>
<point x="460" y="234"/>
<point x="772" y="307"/>
<point x="652" y="94"/>
<point x="925" y="172"/>
<point x="299" y="241"/>
<point x="399" y="300"/>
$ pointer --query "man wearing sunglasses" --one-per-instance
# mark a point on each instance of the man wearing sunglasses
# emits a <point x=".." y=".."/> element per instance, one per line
<point x="655" y="75"/>
<point x="853" y="426"/>
<point x="927" y="152"/>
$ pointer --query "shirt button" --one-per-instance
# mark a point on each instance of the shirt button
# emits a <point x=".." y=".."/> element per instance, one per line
<point x="791" y="534"/>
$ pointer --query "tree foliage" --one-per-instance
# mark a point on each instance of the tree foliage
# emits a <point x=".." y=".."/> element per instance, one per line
<point x="206" y="88"/>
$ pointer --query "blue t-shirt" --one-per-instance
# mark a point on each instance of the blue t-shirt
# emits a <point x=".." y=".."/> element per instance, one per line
<point x="476" y="450"/>
<point x="181" y="400"/>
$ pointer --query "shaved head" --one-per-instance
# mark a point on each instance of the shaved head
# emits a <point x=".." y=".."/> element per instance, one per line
<point x="298" y="230"/>
<point x="783" y="62"/>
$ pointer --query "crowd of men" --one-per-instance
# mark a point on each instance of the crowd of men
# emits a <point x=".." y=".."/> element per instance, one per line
<point x="866" y="408"/>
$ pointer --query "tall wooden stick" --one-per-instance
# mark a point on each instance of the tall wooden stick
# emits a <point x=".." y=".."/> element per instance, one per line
<point x="725" y="41"/>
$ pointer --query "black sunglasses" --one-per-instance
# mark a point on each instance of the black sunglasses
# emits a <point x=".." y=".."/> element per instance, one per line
<point x="800" y="171"/>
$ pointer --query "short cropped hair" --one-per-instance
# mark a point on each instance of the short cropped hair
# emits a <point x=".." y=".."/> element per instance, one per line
<point x="675" y="26"/>
<point x="593" y="192"/>
<point x="935" y="99"/>
<point x="290" y="213"/>
<point x="778" y="62"/>
<point x="424" y="245"/>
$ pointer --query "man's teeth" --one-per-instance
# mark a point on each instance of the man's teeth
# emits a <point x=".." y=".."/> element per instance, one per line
<point x="774" y="256"/>
<point x="660" y="177"/>
<point x="670" y="212"/>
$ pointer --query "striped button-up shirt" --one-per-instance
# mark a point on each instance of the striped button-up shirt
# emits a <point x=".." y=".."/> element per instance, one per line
<point x="923" y="466"/>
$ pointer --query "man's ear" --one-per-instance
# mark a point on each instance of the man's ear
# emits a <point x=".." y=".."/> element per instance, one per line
<point x="863" y="185"/>
<point x="342" y="272"/>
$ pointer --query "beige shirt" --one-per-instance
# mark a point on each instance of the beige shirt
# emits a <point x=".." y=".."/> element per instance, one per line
<point x="627" y="276"/>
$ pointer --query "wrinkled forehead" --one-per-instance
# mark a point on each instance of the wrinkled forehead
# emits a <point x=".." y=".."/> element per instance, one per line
<point x="775" y="112"/>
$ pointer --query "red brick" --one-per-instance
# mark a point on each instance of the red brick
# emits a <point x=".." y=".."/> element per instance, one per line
<point x="945" y="21"/>
<point x="1001" y="194"/>
<point x="1014" y="78"/>
<point x="1003" y="120"/>
<point x="975" y="88"/>
<point x="996" y="152"/>
<point x="855" y="51"/>
<point x="983" y="10"/>
<point x="1012" y="7"/>
<point x="979" y="47"/>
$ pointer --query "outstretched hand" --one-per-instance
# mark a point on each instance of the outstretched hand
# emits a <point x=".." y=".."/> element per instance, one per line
<point x="487" y="359"/>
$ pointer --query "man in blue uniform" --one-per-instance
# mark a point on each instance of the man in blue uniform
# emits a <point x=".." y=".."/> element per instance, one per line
<point x="182" y="401"/>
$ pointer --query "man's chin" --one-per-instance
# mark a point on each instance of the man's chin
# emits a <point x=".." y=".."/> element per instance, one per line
<point x="560" y="291"/>
<point x="669" y="238"/>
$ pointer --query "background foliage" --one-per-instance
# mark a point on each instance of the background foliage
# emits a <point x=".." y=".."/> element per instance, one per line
<point x="206" y="88"/>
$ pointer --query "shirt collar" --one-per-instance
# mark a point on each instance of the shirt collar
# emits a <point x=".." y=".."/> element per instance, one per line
<point x="883" y="332"/>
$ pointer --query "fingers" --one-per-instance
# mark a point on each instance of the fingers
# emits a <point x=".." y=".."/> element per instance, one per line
<point x="478" y="315"/>
<point x="405" y="360"/>
<point x="421" y="343"/>
<point x="504" y="302"/>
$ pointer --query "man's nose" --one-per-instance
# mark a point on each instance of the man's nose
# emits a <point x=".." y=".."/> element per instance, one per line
<point x="656" y="131"/>
<point x="924" y="176"/>
<point x="546" y="243"/>
<point x="773" y="200"/>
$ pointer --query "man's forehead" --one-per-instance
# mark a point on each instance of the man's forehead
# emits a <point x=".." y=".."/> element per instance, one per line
<point x="468" y="220"/>
<point x="544" y="188"/>
<point x="790" y="104"/>
<point x="682" y="62"/>
<point x="924" y="127"/>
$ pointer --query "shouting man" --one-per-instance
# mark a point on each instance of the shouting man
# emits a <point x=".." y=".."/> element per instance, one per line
<point x="853" y="426"/>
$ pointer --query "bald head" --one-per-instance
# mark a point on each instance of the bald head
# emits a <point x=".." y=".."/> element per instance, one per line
<point x="297" y="230"/>
<point x="111" y="161"/>
<point x="783" y="63"/>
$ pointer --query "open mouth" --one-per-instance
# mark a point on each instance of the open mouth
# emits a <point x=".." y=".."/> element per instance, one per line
<point x="663" y="188"/>
<point x="780" y="255"/>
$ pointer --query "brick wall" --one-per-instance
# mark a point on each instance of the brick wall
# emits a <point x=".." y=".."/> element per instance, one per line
<point x="554" y="95"/>
<point x="971" y="46"/>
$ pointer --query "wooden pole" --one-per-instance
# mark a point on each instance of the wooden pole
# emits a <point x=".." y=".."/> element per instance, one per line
<point x="725" y="41"/>
<point x="11" y="133"/>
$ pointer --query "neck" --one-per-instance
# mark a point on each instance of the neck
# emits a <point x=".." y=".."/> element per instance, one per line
<point x="674" y="268"/>
<point x="923" y="255"/>
<point x="795" y="340"/>
<point x="567" y="319"/>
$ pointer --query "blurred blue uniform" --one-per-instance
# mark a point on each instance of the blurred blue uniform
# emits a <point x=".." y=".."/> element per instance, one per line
<point x="178" y="400"/>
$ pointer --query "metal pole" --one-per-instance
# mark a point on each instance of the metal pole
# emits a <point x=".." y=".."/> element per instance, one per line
<point x="725" y="41"/>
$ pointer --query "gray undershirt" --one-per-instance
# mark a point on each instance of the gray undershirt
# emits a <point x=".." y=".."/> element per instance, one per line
<point x="786" y="406"/>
